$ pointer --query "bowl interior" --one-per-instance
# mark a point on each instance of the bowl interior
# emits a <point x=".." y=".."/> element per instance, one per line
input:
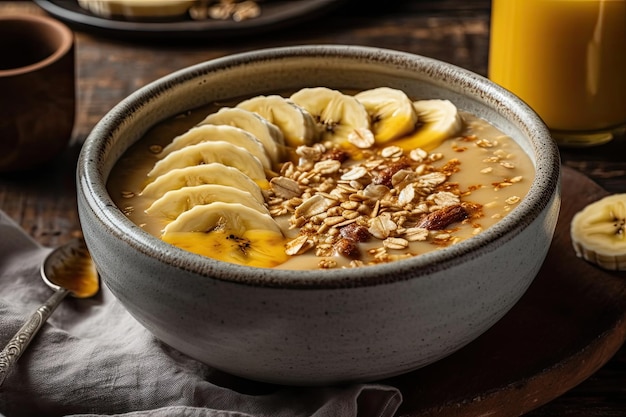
<point x="340" y="67"/>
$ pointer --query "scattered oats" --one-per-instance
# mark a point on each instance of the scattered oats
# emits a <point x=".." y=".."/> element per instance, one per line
<point x="403" y="178"/>
<point x="155" y="148"/>
<point x="484" y="143"/>
<point x="309" y="153"/>
<point x="128" y="210"/>
<point x="431" y="180"/>
<point x="477" y="230"/>
<point x="334" y="220"/>
<point x="395" y="243"/>
<point x="490" y="204"/>
<point x="299" y="245"/>
<point x="497" y="216"/>
<point x="444" y="199"/>
<point x="391" y="152"/>
<point x="375" y="209"/>
<point x="487" y="170"/>
<point x="324" y="250"/>
<point x="381" y="226"/>
<point x="512" y="200"/>
<point x="416" y="234"/>
<point x="356" y="185"/>
<point x="285" y="188"/>
<point x="418" y="155"/>
<point x="507" y="164"/>
<point x="361" y="138"/>
<point x="349" y="205"/>
<point x="375" y="191"/>
<point x="128" y="194"/>
<point x="346" y="222"/>
<point x="296" y="222"/>
<point x="327" y="263"/>
<point x="491" y="159"/>
<point x="516" y="179"/>
<point x="315" y="205"/>
<point x="407" y="195"/>
<point x="355" y="173"/>
<point x="355" y="263"/>
<point x="443" y="236"/>
<point x="327" y="166"/>
<point x="350" y="214"/>
<point x="434" y="157"/>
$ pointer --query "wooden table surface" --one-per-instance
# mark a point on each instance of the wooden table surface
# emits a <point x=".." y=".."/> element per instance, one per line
<point x="43" y="202"/>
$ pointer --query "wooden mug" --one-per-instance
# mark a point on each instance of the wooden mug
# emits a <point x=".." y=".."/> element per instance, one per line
<point x="37" y="90"/>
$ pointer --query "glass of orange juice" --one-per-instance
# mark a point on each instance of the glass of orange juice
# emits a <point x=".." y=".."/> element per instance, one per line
<point x="567" y="60"/>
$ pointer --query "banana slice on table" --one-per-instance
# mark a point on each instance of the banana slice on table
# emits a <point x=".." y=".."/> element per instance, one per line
<point x="175" y="202"/>
<point x="229" y="232"/>
<point x="269" y="134"/>
<point x="208" y="152"/>
<point x="598" y="232"/>
<point x="391" y="112"/>
<point x="212" y="173"/>
<point x="297" y="124"/>
<point x="341" y="118"/>
<point x="225" y="133"/>
<point x="438" y="120"/>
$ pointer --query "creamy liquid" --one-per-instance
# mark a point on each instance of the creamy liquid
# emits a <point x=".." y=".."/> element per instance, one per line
<point x="496" y="177"/>
<point x="565" y="58"/>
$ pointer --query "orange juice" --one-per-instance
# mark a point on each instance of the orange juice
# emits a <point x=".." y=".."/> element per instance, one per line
<point x="565" y="58"/>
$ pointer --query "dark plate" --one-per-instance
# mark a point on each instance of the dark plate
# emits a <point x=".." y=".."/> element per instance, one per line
<point x="276" y="14"/>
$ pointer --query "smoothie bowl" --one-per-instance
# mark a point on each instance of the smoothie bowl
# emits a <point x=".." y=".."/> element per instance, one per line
<point x="377" y="212"/>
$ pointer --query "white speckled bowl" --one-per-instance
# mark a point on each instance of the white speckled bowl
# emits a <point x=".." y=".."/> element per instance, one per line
<point x="318" y="327"/>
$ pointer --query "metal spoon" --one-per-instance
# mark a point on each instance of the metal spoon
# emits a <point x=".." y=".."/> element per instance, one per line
<point x="68" y="269"/>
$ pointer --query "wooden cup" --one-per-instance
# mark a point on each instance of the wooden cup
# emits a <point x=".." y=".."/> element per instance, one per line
<point x="37" y="90"/>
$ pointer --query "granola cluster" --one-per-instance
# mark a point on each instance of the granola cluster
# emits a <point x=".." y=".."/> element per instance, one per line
<point x="387" y="197"/>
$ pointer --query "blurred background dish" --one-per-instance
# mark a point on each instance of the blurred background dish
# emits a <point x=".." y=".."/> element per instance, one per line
<point x="274" y="15"/>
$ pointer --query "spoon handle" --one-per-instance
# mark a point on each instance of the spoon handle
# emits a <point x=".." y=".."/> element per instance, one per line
<point x="18" y="343"/>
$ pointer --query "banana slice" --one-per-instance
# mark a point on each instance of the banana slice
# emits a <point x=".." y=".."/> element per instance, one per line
<point x="229" y="232"/>
<point x="213" y="173"/>
<point x="297" y="124"/>
<point x="439" y="120"/>
<point x="598" y="232"/>
<point x="391" y="112"/>
<point x="175" y="202"/>
<point x="341" y="118"/>
<point x="230" y="134"/>
<point x="269" y="134"/>
<point x="257" y="248"/>
<point x="231" y="217"/>
<point x="208" y="152"/>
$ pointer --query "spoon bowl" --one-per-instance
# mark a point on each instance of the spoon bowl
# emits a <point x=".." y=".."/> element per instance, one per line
<point x="67" y="269"/>
<point x="70" y="267"/>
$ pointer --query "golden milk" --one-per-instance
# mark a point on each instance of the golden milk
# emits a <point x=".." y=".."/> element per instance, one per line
<point x="565" y="58"/>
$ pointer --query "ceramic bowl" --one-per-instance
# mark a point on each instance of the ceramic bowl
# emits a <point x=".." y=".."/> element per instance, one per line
<point x="319" y="326"/>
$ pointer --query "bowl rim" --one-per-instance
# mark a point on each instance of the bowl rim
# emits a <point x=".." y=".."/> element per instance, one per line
<point x="545" y="186"/>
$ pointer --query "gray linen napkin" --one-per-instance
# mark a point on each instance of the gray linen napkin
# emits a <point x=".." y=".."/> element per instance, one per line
<point x="92" y="358"/>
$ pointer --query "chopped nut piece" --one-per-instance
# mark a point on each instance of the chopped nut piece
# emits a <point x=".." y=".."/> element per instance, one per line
<point x="355" y="232"/>
<point x="442" y="218"/>
<point x="347" y="248"/>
